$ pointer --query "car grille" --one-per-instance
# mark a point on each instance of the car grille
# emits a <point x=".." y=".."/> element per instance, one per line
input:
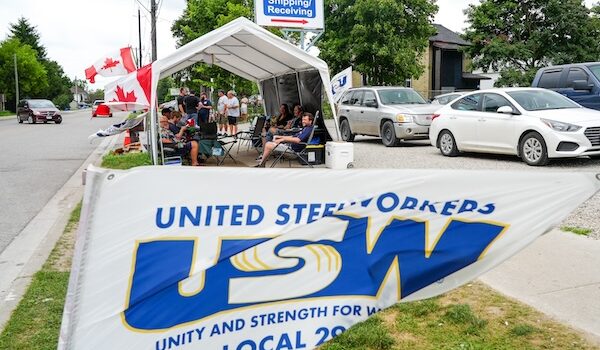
<point x="593" y="134"/>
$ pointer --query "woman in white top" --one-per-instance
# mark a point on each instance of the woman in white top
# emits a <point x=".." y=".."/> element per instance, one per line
<point x="244" y="108"/>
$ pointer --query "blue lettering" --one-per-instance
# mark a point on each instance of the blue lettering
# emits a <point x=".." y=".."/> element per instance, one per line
<point x="285" y="217"/>
<point x="329" y="207"/>
<point x="409" y="203"/>
<point x="236" y="215"/>
<point x="487" y="209"/>
<point x="186" y="213"/>
<point x="252" y="208"/>
<point x="448" y="207"/>
<point x="313" y="212"/>
<point x="468" y="205"/>
<point x="387" y="209"/>
<point x="299" y="208"/>
<point x="159" y="222"/>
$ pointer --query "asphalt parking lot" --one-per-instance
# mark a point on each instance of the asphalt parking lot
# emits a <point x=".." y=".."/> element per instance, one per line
<point x="369" y="152"/>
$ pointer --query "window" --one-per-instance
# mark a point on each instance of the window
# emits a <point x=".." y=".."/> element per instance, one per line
<point x="356" y="98"/>
<point x="550" y="79"/>
<point x="595" y="70"/>
<point x="539" y="100"/>
<point x="346" y="98"/>
<point x="468" y="103"/>
<point x="400" y="97"/>
<point x="491" y="103"/>
<point x="576" y="74"/>
<point x="369" y="97"/>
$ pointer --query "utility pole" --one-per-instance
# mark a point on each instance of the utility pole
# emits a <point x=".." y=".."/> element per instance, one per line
<point x="153" y="27"/>
<point x="139" y="38"/>
<point x="16" y="82"/>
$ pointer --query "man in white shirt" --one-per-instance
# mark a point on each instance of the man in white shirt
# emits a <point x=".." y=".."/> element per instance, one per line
<point x="221" y="116"/>
<point x="232" y="109"/>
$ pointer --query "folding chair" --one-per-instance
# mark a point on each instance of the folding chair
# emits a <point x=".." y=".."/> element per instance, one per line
<point x="301" y="155"/>
<point x="208" y="132"/>
<point x="252" y="137"/>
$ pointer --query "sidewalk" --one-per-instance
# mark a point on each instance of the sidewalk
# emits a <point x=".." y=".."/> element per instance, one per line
<point x="559" y="275"/>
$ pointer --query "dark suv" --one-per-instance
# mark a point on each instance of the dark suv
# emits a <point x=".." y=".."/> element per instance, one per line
<point x="578" y="81"/>
<point x="38" y="111"/>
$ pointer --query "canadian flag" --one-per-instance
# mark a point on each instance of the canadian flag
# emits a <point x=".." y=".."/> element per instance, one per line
<point x="131" y="92"/>
<point x="114" y="64"/>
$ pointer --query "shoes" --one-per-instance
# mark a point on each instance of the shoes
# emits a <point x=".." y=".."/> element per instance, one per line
<point x="259" y="158"/>
<point x="260" y="165"/>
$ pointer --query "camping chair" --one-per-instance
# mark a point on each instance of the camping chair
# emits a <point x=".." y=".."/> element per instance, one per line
<point x="252" y="137"/>
<point x="301" y="155"/>
<point x="213" y="146"/>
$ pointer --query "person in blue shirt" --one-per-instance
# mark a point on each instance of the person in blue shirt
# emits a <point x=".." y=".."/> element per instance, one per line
<point x="292" y="141"/>
<point x="205" y="107"/>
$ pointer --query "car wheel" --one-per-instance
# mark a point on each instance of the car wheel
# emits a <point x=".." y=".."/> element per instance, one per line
<point x="447" y="144"/>
<point x="110" y="115"/>
<point x="533" y="149"/>
<point x="58" y="120"/>
<point x="347" y="134"/>
<point x="388" y="134"/>
<point x="31" y="119"/>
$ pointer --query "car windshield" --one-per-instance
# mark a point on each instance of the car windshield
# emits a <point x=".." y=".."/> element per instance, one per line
<point x="539" y="100"/>
<point x="41" y="104"/>
<point x="98" y="102"/>
<point x="596" y="70"/>
<point x="400" y="97"/>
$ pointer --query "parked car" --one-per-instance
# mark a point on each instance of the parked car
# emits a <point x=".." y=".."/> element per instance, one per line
<point x="99" y="109"/>
<point x="444" y="99"/>
<point x="392" y="113"/>
<point x="38" y="110"/>
<point x="578" y="81"/>
<point x="169" y="104"/>
<point x="534" y="124"/>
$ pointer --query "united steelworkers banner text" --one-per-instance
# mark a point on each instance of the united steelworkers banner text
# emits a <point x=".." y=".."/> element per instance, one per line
<point x="273" y="259"/>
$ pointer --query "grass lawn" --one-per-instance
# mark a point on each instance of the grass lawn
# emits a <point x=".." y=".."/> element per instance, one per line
<point x="126" y="160"/>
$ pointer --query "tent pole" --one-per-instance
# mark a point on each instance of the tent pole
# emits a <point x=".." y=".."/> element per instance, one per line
<point x="153" y="135"/>
<point x="299" y="89"/>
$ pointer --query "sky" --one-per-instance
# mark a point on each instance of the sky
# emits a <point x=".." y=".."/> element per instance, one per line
<point x="77" y="33"/>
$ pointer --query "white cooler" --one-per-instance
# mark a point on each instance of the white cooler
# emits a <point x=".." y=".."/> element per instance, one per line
<point x="339" y="155"/>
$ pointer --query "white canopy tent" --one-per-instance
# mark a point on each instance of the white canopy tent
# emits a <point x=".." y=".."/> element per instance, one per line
<point x="245" y="49"/>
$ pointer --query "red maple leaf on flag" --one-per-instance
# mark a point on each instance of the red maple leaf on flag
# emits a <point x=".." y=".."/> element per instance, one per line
<point x="122" y="97"/>
<point x="109" y="63"/>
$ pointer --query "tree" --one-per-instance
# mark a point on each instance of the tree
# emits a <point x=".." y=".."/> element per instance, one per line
<point x="382" y="39"/>
<point x="32" y="75"/>
<point x="516" y="38"/>
<point x="199" y="18"/>
<point x="28" y="35"/>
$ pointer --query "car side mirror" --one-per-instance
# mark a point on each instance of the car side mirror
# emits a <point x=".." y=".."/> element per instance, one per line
<point x="506" y="110"/>
<point x="371" y="104"/>
<point x="582" y="85"/>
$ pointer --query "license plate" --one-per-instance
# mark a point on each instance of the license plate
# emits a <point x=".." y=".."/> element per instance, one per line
<point x="48" y="117"/>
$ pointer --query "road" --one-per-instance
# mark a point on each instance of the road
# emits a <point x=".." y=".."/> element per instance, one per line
<point x="36" y="160"/>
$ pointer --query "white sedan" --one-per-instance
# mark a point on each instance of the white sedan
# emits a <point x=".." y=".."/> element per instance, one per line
<point x="534" y="124"/>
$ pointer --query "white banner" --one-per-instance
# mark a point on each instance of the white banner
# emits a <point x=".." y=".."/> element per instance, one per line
<point x="340" y="83"/>
<point x="287" y="259"/>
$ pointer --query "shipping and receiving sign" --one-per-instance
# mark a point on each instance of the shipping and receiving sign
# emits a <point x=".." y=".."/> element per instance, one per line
<point x="306" y="14"/>
<point x="273" y="259"/>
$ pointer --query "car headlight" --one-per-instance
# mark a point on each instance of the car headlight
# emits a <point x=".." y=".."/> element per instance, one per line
<point x="404" y="118"/>
<point x="560" y="126"/>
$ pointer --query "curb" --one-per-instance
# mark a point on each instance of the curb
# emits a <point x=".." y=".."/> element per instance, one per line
<point x="30" y="249"/>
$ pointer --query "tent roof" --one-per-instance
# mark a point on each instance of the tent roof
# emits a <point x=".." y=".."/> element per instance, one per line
<point x="245" y="49"/>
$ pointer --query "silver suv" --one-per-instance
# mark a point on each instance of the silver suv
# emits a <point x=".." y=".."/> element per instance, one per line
<point x="392" y="113"/>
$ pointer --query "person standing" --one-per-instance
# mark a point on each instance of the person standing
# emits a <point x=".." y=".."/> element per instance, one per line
<point x="191" y="106"/>
<point x="180" y="98"/>
<point x="221" y="116"/>
<point x="233" y="111"/>
<point x="205" y="107"/>
<point x="244" y="108"/>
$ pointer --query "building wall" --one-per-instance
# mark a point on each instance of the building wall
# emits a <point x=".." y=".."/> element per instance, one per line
<point x="422" y="84"/>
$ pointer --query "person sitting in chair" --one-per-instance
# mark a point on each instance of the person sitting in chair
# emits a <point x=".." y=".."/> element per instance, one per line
<point x="174" y="118"/>
<point x="294" y="140"/>
<point x="167" y="137"/>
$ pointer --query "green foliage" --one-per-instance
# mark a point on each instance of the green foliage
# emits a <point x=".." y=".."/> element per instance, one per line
<point x="58" y="82"/>
<point x="62" y="101"/>
<point x="97" y="94"/>
<point x="32" y="75"/>
<point x="577" y="230"/>
<point x="125" y="161"/>
<point x="382" y="39"/>
<point x="370" y="334"/>
<point x="162" y="90"/>
<point x="199" y="18"/>
<point x="522" y="330"/>
<point x="28" y="35"/>
<point x="516" y="38"/>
